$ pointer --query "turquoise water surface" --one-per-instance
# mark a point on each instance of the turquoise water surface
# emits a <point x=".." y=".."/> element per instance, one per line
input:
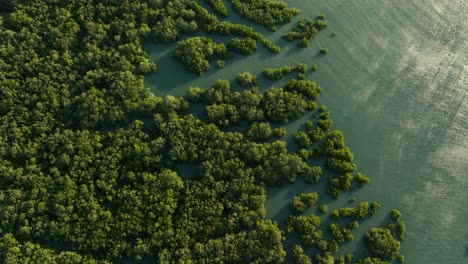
<point x="396" y="82"/>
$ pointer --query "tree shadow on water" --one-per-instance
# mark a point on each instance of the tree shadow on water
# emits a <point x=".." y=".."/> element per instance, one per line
<point x="170" y="77"/>
<point x="361" y="250"/>
<point x="294" y="49"/>
<point x="466" y="246"/>
<point x="278" y="198"/>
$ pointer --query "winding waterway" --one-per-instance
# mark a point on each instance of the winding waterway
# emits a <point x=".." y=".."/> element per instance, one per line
<point x="396" y="82"/>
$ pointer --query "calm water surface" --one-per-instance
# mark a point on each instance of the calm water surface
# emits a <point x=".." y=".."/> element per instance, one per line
<point x="396" y="82"/>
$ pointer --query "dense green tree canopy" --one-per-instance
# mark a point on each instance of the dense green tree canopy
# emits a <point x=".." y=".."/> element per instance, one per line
<point x="195" y="53"/>
<point x="382" y="244"/>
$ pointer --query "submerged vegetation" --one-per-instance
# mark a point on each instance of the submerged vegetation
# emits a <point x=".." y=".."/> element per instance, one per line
<point x="90" y="158"/>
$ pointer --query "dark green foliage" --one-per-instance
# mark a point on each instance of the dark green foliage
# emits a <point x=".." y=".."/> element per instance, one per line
<point x="259" y="131"/>
<point x="353" y="225"/>
<point x="336" y="233"/>
<point x="325" y="258"/>
<point x="324" y="122"/>
<point x="348" y="234"/>
<point x="313" y="175"/>
<point x="359" y="212"/>
<point x="304" y="153"/>
<point x="246" y="46"/>
<point x="194" y="94"/>
<point x="195" y="53"/>
<point x="244" y="247"/>
<point x="316" y="134"/>
<point x="212" y="25"/>
<point x="301" y="68"/>
<point x="304" y="87"/>
<point x="340" y="234"/>
<point x="220" y="64"/>
<point x="279" y="132"/>
<point x="371" y="261"/>
<point x="71" y="191"/>
<point x="304" y="201"/>
<point x="309" y="125"/>
<point x="12" y="251"/>
<point x="321" y="24"/>
<point x="297" y="205"/>
<point x="292" y="35"/>
<point x="194" y="17"/>
<point x="397" y="226"/>
<point x="305" y="30"/>
<point x="400" y="230"/>
<point x="339" y="157"/>
<point x="382" y="244"/>
<point x="219" y="92"/>
<point x="76" y="176"/>
<point x="338" y="184"/>
<point x="223" y="114"/>
<point x="315" y="67"/>
<point x="219" y="7"/>
<point x="305" y="226"/>
<point x="324" y="51"/>
<point x="278" y="73"/>
<point x="332" y="246"/>
<point x="323" y="208"/>
<point x="282" y="106"/>
<point x="309" y="199"/>
<point x="269" y="13"/>
<point x="361" y="179"/>
<point x="246" y="78"/>
<point x="346" y="259"/>
<point x="226" y="108"/>
<point x="374" y="206"/>
<point x="396" y="215"/>
<point x="299" y="256"/>
<point x="301" y="139"/>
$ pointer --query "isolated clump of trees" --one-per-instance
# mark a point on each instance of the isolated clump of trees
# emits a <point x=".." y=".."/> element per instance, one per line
<point x="278" y="73"/>
<point x="246" y="78"/>
<point x="305" y="30"/>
